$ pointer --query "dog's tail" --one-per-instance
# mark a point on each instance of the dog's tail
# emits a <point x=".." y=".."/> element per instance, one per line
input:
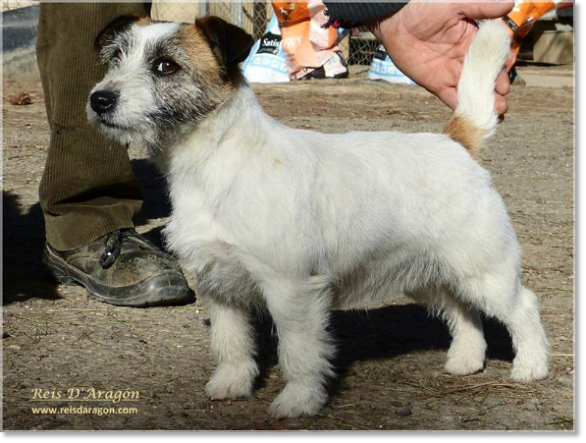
<point x="475" y="118"/>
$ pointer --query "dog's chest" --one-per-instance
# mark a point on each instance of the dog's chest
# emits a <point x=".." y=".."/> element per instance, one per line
<point x="234" y="209"/>
<point x="197" y="217"/>
<point x="201" y="237"/>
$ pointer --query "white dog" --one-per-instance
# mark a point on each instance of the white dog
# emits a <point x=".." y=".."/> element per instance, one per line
<point x="299" y="222"/>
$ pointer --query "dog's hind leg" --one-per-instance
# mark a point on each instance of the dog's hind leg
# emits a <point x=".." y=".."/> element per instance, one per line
<point x="468" y="348"/>
<point x="300" y="312"/>
<point x="502" y="296"/>
<point x="529" y="338"/>
<point x="232" y="344"/>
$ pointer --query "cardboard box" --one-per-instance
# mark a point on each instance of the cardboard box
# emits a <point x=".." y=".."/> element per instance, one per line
<point x="555" y="47"/>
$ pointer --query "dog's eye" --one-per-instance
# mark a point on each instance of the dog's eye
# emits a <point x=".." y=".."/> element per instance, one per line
<point x="167" y="67"/>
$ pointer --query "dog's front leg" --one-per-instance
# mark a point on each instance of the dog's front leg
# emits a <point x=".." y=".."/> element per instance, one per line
<point x="232" y="344"/>
<point x="300" y="311"/>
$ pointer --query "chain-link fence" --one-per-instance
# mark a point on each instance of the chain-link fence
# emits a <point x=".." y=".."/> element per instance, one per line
<point x="15" y="4"/>
<point x="358" y="46"/>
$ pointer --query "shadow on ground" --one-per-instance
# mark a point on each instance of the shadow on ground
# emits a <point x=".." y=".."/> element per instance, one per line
<point x="379" y="334"/>
<point x="24" y="275"/>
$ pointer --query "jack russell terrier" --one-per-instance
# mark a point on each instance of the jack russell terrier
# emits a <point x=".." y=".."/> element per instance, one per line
<point x="299" y="222"/>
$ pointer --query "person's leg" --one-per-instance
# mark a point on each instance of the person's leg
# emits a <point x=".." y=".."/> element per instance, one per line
<point x="88" y="193"/>
<point x="88" y="188"/>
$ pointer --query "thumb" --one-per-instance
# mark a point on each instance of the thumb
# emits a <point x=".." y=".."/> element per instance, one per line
<point x="481" y="11"/>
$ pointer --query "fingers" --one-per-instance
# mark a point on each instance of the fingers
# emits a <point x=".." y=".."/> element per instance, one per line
<point x="500" y="104"/>
<point x="449" y="97"/>
<point x="503" y="85"/>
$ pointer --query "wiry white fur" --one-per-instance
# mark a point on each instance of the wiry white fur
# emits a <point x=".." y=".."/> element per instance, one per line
<point x="299" y="222"/>
<point x="485" y="59"/>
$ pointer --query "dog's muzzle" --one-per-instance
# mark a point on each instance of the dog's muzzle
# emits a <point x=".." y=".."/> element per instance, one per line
<point x="103" y="101"/>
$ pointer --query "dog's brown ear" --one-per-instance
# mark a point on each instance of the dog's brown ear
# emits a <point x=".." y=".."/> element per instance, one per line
<point x="116" y="26"/>
<point x="229" y="42"/>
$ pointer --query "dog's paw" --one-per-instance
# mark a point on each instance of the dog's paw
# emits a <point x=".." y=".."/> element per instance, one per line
<point x="464" y="363"/>
<point x="466" y="358"/>
<point x="230" y="382"/>
<point x="530" y="371"/>
<point x="298" y="400"/>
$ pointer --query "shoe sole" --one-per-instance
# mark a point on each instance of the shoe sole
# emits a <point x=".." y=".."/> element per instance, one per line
<point x="163" y="289"/>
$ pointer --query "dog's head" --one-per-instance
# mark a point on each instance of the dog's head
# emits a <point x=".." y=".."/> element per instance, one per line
<point x="164" y="76"/>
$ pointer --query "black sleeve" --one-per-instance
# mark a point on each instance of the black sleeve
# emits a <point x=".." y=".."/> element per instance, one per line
<point x="349" y="14"/>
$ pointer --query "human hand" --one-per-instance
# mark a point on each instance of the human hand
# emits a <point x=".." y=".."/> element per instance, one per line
<point x="427" y="41"/>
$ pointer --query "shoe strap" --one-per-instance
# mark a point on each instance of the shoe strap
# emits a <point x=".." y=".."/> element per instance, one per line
<point x="113" y="245"/>
<point x="112" y="249"/>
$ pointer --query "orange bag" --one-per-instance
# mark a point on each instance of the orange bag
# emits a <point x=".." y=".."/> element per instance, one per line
<point x="307" y="44"/>
<point x="522" y="18"/>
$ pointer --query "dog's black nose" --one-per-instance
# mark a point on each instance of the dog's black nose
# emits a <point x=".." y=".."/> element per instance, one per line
<point x="103" y="101"/>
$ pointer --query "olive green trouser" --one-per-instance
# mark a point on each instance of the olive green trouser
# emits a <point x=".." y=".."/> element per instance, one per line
<point x="88" y="188"/>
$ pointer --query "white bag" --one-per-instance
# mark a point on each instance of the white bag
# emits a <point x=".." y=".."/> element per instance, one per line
<point x="267" y="63"/>
<point x="383" y="68"/>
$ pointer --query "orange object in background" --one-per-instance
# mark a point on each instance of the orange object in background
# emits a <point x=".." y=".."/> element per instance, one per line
<point x="308" y="45"/>
<point x="291" y="13"/>
<point x="522" y="18"/>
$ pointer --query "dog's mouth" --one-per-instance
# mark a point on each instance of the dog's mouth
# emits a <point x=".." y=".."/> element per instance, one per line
<point x="109" y="124"/>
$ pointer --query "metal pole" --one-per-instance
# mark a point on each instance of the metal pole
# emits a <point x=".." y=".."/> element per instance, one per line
<point x="203" y="8"/>
<point x="237" y="13"/>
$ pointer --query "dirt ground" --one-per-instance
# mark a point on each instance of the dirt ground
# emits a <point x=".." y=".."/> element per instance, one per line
<point x="390" y="357"/>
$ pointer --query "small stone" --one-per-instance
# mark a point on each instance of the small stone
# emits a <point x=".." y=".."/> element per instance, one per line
<point x="404" y="412"/>
<point x="21" y="99"/>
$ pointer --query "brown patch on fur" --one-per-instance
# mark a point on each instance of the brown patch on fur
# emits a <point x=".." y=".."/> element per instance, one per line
<point x="464" y="132"/>
<point x="204" y="63"/>
<point x="143" y="21"/>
